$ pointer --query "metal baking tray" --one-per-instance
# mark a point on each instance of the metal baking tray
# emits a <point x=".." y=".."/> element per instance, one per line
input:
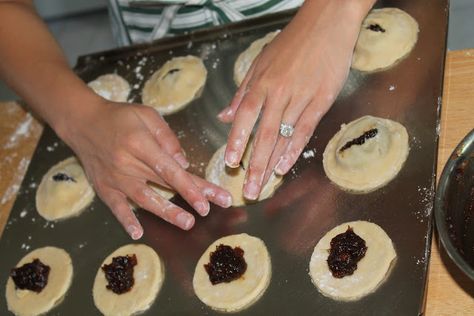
<point x="302" y="210"/>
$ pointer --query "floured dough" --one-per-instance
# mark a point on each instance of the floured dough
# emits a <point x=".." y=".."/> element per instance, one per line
<point x="246" y="58"/>
<point x="148" y="274"/>
<point x="371" y="165"/>
<point x="174" y="85"/>
<point x="371" y="269"/>
<point x="111" y="87"/>
<point x="243" y="292"/>
<point x="232" y="179"/>
<point x="62" y="199"/>
<point x="29" y="303"/>
<point x="386" y="36"/>
<point x="165" y="193"/>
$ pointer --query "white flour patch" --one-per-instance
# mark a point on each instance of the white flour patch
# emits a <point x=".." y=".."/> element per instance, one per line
<point x="22" y="131"/>
<point x="392" y="87"/>
<point x="14" y="185"/>
<point x="310" y="153"/>
<point x="23" y="213"/>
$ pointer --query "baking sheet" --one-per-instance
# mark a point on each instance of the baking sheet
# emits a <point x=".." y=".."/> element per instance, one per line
<point x="303" y="209"/>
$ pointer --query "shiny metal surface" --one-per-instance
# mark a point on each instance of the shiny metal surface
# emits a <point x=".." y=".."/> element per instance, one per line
<point x="454" y="211"/>
<point x="303" y="209"/>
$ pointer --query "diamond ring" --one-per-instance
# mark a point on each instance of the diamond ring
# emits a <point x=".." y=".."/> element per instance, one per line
<point x="286" y="130"/>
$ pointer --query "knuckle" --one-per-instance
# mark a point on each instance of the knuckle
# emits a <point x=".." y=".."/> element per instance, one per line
<point x="118" y="159"/>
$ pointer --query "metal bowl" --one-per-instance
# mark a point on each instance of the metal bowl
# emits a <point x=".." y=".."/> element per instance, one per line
<point x="454" y="210"/>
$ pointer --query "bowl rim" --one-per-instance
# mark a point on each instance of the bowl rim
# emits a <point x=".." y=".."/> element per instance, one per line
<point x="458" y="153"/>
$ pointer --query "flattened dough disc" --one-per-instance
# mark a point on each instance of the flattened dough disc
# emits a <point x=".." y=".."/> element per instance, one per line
<point x="111" y="87"/>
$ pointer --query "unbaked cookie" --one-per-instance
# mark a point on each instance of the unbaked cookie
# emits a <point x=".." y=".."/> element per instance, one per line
<point x="366" y="154"/>
<point x="29" y="302"/>
<point x="246" y="58"/>
<point x="64" y="191"/>
<point x="232" y="179"/>
<point x="178" y="82"/>
<point x="386" y="36"/>
<point x="242" y="292"/>
<point x="371" y="270"/>
<point x="111" y="87"/>
<point x="148" y="276"/>
<point x="165" y="193"/>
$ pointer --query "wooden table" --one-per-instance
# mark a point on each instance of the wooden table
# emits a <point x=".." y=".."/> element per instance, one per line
<point x="449" y="291"/>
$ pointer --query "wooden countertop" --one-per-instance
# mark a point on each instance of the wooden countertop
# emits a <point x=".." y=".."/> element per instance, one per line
<point x="449" y="291"/>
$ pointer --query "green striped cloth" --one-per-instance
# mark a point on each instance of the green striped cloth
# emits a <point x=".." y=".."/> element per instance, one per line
<point x="144" y="21"/>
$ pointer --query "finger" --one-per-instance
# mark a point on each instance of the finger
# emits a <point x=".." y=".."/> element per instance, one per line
<point x="118" y="203"/>
<point x="263" y="146"/>
<point x="151" y="201"/>
<point x="280" y="147"/>
<point x="163" y="134"/>
<point x="213" y="193"/>
<point x="245" y="119"/>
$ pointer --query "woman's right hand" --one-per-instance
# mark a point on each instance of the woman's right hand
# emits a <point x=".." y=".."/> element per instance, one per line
<point x="122" y="147"/>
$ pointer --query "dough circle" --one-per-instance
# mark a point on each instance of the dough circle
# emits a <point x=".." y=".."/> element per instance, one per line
<point x="178" y="82"/>
<point x="148" y="274"/>
<point x="367" y="167"/>
<point x="232" y="179"/>
<point x="243" y="292"/>
<point x="165" y="193"/>
<point x="29" y="303"/>
<point x="57" y="200"/>
<point x="246" y="58"/>
<point x="372" y="269"/>
<point x="111" y="87"/>
<point x="377" y="50"/>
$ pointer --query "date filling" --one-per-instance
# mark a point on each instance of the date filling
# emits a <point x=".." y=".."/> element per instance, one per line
<point x="119" y="273"/>
<point x="31" y="276"/>
<point x="347" y="249"/>
<point x="360" y="140"/>
<point x="62" y="177"/>
<point x="226" y="264"/>
<point x="375" y="28"/>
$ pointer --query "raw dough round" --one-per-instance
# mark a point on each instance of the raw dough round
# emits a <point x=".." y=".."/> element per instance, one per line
<point x="165" y="193"/>
<point x="25" y="302"/>
<point x="372" y="269"/>
<point x="62" y="199"/>
<point x="232" y="179"/>
<point x="387" y="35"/>
<point x="371" y="165"/>
<point x="111" y="87"/>
<point x="246" y="58"/>
<point x="148" y="274"/>
<point x="243" y="292"/>
<point x="178" y="82"/>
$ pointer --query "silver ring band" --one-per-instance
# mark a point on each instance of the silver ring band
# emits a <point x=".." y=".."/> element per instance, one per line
<point x="286" y="130"/>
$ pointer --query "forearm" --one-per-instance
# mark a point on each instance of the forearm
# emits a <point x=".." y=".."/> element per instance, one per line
<point x="33" y="65"/>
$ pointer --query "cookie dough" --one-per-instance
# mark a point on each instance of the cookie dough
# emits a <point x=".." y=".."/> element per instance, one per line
<point x="162" y="191"/>
<point x="246" y="58"/>
<point x="372" y="269"/>
<point x="386" y="36"/>
<point x="174" y="85"/>
<point x="232" y="179"/>
<point x="25" y="302"/>
<point x="243" y="292"/>
<point x="64" y="191"/>
<point x="366" y="154"/>
<point x="111" y="87"/>
<point x="148" y="274"/>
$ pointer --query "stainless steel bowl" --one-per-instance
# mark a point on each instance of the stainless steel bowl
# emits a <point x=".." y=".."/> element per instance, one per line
<point x="454" y="208"/>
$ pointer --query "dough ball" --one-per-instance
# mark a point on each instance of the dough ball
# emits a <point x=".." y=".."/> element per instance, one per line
<point x="371" y="270"/>
<point x="386" y="36"/>
<point x="111" y="87"/>
<point x="178" y="82"/>
<point x="243" y="292"/>
<point x="366" y="154"/>
<point x="246" y="58"/>
<point x="232" y="179"/>
<point x="64" y="191"/>
<point x="148" y="275"/>
<point x="29" y="303"/>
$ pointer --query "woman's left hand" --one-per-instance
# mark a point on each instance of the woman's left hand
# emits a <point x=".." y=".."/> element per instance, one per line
<point x="294" y="80"/>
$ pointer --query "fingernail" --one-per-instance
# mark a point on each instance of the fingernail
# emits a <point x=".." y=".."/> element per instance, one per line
<point x="185" y="220"/>
<point x="202" y="208"/>
<point x="181" y="160"/>
<point x="282" y="166"/>
<point x="225" y="112"/>
<point x="224" y="200"/>
<point x="134" y="232"/>
<point x="232" y="159"/>
<point x="251" y="191"/>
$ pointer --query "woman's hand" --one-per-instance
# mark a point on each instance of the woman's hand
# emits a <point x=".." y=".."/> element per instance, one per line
<point x="294" y="80"/>
<point x="122" y="147"/>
